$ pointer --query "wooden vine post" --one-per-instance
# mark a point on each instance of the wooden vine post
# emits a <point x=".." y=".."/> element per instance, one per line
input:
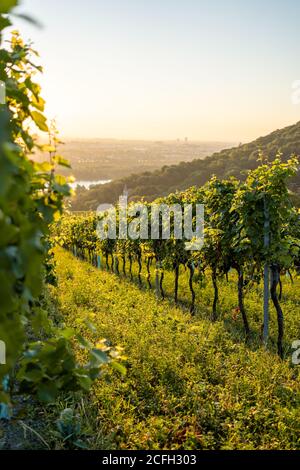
<point x="157" y="286"/>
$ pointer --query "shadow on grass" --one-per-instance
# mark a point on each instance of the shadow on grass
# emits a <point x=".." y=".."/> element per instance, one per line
<point x="233" y="327"/>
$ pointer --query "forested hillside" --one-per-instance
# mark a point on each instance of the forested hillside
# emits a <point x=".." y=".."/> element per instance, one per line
<point x="229" y="162"/>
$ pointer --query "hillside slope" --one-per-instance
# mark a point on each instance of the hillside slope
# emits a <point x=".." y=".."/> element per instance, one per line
<point x="190" y="383"/>
<point x="229" y="162"/>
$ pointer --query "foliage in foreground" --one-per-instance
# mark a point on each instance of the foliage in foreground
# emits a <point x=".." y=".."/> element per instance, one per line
<point x="31" y="198"/>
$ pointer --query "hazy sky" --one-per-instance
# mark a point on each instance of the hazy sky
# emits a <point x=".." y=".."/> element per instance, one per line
<point x="165" y="69"/>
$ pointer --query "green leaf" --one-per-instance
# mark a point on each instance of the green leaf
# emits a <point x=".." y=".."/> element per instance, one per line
<point x="7" y="5"/>
<point x="4" y="23"/>
<point x="101" y="356"/>
<point x="84" y="381"/>
<point x="91" y="326"/>
<point x="66" y="333"/>
<point x="83" y="342"/>
<point x="119" y="367"/>
<point x="61" y="161"/>
<point x="40" y="121"/>
<point x="47" y="392"/>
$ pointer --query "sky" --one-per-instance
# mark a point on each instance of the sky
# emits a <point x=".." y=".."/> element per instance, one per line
<point x="219" y="70"/>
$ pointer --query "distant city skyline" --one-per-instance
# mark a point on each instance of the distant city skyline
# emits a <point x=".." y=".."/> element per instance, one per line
<point x="166" y="69"/>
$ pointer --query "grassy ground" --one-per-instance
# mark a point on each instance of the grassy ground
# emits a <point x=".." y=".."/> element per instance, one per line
<point x="190" y="384"/>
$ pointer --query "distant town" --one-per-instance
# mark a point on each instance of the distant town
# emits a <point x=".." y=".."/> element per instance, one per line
<point x="95" y="160"/>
